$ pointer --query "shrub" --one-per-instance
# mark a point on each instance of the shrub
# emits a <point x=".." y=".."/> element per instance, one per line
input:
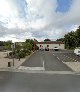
<point x="22" y="54"/>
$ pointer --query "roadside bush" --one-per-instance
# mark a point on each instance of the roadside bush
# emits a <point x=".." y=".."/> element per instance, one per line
<point x="22" y="54"/>
<point x="27" y="52"/>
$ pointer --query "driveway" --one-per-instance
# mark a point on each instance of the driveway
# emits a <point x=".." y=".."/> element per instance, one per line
<point x="47" y="60"/>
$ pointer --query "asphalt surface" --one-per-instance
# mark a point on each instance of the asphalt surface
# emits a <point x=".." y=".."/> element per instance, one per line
<point x="32" y="82"/>
<point x="57" y="77"/>
<point x="35" y="60"/>
<point x="46" y="59"/>
<point x="67" y="56"/>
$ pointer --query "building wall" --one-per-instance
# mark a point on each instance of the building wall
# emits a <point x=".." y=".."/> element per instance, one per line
<point x="51" y="46"/>
<point x="1" y="48"/>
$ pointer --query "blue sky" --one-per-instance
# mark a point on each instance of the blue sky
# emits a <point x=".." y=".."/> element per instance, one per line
<point x="63" y="5"/>
<point x="22" y="19"/>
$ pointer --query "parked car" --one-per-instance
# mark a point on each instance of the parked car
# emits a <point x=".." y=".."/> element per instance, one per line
<point x="46" y="49"/>
<point x="56" y="48"/>
<point x="77" y="51"/>
<point x="42" y="49"/>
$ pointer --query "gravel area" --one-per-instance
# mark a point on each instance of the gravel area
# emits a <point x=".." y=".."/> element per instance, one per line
<point x="4" y="61"/>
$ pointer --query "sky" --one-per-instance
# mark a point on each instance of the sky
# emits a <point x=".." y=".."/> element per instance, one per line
<point x="39" y="19"/>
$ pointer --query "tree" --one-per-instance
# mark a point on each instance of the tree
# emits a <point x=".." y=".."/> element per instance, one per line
<point x="61" y="40"/>
<point x="18" y="47"/>
<point x="27" y="46"/>
<point x="7" y="45"/>
<point x="77" y="36"/>
<point x="29" y="42"/>
<point x="47" y="40"/>
<point x="70" y="40"/>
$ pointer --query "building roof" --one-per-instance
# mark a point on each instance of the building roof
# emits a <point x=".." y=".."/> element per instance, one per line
<point x="50" y="42"/>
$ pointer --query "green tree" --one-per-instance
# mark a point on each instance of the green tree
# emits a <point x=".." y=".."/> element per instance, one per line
<point x="77" y="37"/>
<point x="30" y="43"/>
<point x="47" y="40"/>
<point x="70" y="40"/>
<point x="7" y="45"/>
<point x="60" y="40"/>
<point x="27" y="46"/>
<point x="18" y="47"/>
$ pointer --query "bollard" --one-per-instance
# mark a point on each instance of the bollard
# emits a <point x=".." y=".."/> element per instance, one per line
<point x="9" y="65"/>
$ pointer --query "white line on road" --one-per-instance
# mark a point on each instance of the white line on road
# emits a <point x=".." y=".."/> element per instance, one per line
<point x="43" y="63"/>
<point x="62" y="61"/>
<point x="42" y="60"/>
<point x="58" y="58"/>
<point x="53" y="55"/>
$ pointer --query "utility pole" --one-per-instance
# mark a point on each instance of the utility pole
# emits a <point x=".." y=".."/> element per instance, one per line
<point x="13" y="46"/>
<point x="34" y="44"/>
<point x="13" y="54"/>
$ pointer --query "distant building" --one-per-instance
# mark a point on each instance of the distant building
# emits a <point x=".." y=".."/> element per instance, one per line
<point x="1" y="45"/>
<point x="50" y="44"/>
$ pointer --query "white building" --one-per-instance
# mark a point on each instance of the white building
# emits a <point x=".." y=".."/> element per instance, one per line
<point x="50" y="45"/>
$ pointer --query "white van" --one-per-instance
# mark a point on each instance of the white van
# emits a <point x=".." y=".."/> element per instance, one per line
<point x="77" y="51"/>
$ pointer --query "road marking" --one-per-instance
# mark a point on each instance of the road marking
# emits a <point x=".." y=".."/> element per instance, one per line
<point x="43" y="63"/>
<point x="53" y="55"/>
<point x="58" y="58"/>
<point x="62" y="61"/>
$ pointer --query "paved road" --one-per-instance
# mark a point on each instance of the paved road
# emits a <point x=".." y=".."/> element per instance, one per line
<point x="57" y="77"/>
<point x="32" y="82"/>
<point x="46" y="59"/>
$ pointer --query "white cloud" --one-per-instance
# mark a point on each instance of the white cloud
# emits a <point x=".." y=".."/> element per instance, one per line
<point x="40" y="21"/>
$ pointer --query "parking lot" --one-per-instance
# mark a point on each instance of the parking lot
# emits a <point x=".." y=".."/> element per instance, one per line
<point x="66" y="56"/>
